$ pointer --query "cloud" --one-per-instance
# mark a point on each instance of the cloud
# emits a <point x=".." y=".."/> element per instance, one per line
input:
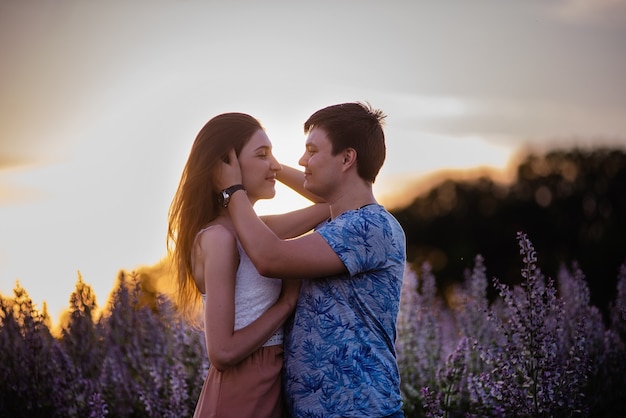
<point x="13" y="190"/>
<point x="595" y="12"/>
<point x="11" y="161"/>
<point x="17" y="195"/>
<point x="506" y="120"/>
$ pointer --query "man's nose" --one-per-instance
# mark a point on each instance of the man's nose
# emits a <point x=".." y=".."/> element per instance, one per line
<point x="303" y="161"/>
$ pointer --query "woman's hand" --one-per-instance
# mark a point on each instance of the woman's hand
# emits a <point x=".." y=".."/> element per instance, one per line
<point x="228" y="173"/>
<point x="290" y="293"/>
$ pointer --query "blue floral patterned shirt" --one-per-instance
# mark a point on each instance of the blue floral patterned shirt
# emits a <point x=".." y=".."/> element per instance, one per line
<point x="339" y="353"/>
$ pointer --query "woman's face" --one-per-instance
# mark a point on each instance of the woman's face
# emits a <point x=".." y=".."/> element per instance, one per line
<point x="258" y="167"/>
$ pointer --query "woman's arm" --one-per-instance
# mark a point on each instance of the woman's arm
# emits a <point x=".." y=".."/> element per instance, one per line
<point x="298" y="222"/>
<point x="295" y="223"/>
<point x="218" y="266"/>
<point x="294" y="179"/>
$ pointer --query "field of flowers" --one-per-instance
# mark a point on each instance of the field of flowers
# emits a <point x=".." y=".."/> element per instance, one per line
<point x="538" y="350"/>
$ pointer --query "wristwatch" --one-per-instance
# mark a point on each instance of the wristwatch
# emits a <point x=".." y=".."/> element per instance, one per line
<point x="224" y="196"/>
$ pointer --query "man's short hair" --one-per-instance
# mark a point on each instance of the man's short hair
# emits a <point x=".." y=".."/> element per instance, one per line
<point x="354" y="125"/>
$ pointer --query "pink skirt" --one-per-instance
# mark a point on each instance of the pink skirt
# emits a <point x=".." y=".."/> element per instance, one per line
<point x="252" y="388"/>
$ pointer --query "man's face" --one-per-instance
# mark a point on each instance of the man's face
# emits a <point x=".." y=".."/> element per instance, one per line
<point x="321" y="168"/>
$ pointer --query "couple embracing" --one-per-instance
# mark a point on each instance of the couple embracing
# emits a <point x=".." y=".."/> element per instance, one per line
<point x="299" y="308"/>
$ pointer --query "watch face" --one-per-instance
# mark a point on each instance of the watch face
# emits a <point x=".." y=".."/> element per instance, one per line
<point x="224" y="197"/>
<point x="221" y="198"/>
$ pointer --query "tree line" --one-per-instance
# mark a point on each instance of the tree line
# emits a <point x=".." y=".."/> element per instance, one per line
<point x="572" y="203"/>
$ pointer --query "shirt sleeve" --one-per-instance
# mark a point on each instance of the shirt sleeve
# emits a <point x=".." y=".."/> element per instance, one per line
<point x="358" y="239"/>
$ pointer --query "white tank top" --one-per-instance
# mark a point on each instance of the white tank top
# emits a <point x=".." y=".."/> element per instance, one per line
<point x="254" y="294"/>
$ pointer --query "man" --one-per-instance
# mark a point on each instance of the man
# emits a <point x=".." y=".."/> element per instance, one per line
<point x="339" y="356"/>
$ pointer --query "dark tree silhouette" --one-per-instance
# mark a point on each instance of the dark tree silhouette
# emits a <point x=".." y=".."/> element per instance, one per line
<point x="571" y="203"/>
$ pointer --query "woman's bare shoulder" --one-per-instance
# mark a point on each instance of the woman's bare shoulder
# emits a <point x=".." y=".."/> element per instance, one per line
<point x="216" y="234"/>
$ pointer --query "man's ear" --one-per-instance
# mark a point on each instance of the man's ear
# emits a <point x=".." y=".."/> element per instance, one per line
<point x="349" y="157"/>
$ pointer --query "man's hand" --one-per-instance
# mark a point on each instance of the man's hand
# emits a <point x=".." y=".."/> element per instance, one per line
<point x="228" y="173"/>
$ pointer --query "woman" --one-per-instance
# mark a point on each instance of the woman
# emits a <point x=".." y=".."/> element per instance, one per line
<point x="243" y="311"/>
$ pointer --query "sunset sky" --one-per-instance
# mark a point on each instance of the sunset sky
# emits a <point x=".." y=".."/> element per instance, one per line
<point x="100" y="102"/>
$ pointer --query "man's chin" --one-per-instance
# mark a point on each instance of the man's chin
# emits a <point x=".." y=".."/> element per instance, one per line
<point x="311" y="188"/>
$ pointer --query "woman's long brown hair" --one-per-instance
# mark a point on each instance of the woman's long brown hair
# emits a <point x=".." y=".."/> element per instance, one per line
<point x="195" y="202"/>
